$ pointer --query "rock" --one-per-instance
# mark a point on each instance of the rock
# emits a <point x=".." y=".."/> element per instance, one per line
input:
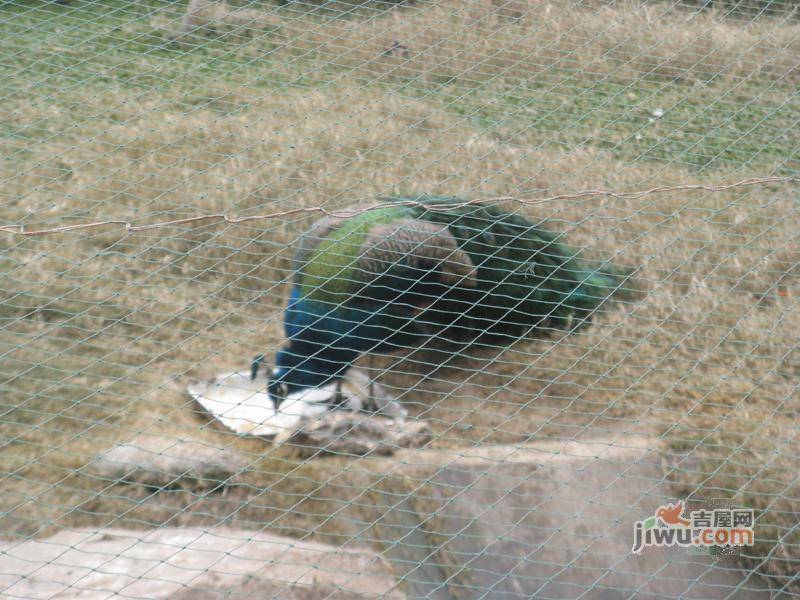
<point x="348" y="433"/>
<point x="549" y="519"/>
<point x="157" y="461"/>
<point x="189" y="563"/>
<point x="545" y="520"/>
<point x="241" y="404"/>
<point x="207" y="17"/>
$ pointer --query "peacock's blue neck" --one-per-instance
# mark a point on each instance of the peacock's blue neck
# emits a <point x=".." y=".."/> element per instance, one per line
<point x="324" y="339"/>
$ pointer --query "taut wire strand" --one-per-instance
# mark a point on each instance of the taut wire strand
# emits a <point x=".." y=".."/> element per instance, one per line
<point x="224" y="218"/>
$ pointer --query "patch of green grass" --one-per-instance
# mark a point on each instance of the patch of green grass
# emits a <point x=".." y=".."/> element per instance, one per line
<point x="74" y="62"/>
<point x="698" y="127"/>
<point x="55" y="55"/>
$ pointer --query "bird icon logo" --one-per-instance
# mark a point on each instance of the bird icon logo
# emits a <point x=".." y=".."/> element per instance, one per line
<point x="671" y="514"/>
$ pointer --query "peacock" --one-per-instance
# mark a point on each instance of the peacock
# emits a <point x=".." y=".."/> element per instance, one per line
<point x="426" y="268"/>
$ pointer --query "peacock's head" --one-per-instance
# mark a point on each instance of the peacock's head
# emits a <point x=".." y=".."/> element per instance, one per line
<point x="295" y="371"/>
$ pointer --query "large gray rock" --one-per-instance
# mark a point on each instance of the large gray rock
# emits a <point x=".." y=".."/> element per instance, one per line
<point x="546" y="520"/>
<point x="188" y="564"/>
<point x="158" y="461"/>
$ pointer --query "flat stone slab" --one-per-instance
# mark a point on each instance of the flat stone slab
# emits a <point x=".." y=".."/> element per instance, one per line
<point x="242" y="405"/>
<point x="159" y="462"/>
<point x="188" y="563"/>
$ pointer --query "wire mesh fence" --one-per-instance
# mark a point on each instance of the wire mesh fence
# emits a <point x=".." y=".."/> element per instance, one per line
<point x="520" y="279"/>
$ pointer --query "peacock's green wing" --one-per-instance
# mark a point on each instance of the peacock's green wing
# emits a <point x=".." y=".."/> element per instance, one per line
<point x="327" y="255"/>
<point x="380" y="255"/>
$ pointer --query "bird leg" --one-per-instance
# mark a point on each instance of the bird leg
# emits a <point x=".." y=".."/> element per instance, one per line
<point x="371" y="387"/>
<point x="338" y="396"/>
<point x="380" y="401"/>
<point x="372" y="398"/>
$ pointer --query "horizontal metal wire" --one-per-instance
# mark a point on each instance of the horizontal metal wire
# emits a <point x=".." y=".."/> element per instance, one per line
<point x="223" y="218"/>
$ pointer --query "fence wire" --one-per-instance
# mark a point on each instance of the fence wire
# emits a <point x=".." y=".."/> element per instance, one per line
<point x="427" y="299"/>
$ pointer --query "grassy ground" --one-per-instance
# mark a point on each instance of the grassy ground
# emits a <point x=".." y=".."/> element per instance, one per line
<point x="106" y="116"/>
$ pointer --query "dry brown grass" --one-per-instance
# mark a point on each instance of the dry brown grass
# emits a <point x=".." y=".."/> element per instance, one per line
<point x="100" y="329"/>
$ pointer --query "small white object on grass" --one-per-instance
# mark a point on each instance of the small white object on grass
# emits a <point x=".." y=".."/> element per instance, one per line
<point x="242" y="404"/>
